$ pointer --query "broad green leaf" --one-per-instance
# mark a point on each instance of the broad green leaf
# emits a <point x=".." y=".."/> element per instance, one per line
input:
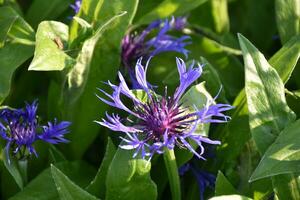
<point x="102" y="67"/>
<point x="18" y="37"/>
<point x="287" y="18"/>
<point x="286" y="186"/>
<point x="66" y="188"/>
<point x="223" y="186"/>
<point x="97" y="186"/>
<point x="43" y="186"/>
<point x="55" y="156"/>
<point x="78" y="76"/>
<point x="168" y="8"/>
<point x="11" y="164"/>
<point x="41" y="10"/>
<point x="230" y="197"/>
<point x="14" y="28"/>
<point x="129" y="178"/>
<point x="268" y="111"/>
<point x="51" y="38"/>
<point x="285" y="60"/>
<point x="293" y="100"/>
<point x="220" y="15"/>
<point x="236" y="133"/>
<point x="11" y="57"/>
<point x="282" y="156"/>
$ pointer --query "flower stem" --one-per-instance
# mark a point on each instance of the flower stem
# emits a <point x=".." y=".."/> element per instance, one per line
<point x="23" y="170"/>
<point x="174" y="181"/>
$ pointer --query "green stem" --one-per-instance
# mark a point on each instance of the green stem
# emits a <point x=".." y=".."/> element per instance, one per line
<point x="23" y="170"/>
<point x="174" y="181"/>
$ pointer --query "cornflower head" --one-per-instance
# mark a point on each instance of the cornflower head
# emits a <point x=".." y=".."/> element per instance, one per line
<point x="161" y="122"/>
<point x="76" y="6"/>
<point x="20" y="128"/>
<point x="136" y="45"/>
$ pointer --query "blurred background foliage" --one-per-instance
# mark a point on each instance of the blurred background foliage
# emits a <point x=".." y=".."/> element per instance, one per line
<point x="260" y="78"/>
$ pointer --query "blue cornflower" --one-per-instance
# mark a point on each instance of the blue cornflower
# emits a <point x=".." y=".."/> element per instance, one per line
<point x="135" y="46"/>
<point x="76" y="6"/>
<point x="203" y="178"/>
<point x="178" y="23"/>
<point x="162" y="122"/>
<point x="20" y="128"/>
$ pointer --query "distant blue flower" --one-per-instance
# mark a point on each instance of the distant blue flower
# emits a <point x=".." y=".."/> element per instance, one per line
<point x="162" y="122"/>
<point x="178" y="23"/>
<point x="204" y="179"/>
<point x="135" y="46"/>
<point x="20" y="128"/>
<point x="76" y="6"/>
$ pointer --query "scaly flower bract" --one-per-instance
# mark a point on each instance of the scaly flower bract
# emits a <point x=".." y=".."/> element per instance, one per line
<point x="20" y="128"/>
<point x="162" y="122"/>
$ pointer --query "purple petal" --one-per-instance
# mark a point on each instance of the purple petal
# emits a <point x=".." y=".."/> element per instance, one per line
<point x="54" y="133"/>
<point x="140" y="72"/>
<point x="113" y="122"/>
<point x="187" y="76"/>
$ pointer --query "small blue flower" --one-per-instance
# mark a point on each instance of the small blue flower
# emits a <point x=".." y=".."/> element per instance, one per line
<point x="203" y="178"/>
<point x="135" y="45"/>
<point x="20" y="128"/>
<point x="178" y="23"/>
<point x="76" y="6"/>
<point x="161" y="122"/>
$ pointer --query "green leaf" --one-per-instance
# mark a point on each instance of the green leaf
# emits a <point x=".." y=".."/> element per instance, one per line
<point x="287" y="18"/>
<point x="282" y="156"/>
<point x="78" y="76"/>
<point x="11" y="164"/>
<point x="220" y="15"/>
<point x="11" y="57"/>
<point x="88" y="12"/>
<point x="97" y="186"/>
<point x="14" y="28"/>
<point x="18" y="39"/>
<point x="43" y="186"/>
<point x="230" y="197"/>
<point x="103" y="66"/>
<point x="51" y="38"/>
<point x="223" y="186"/>
<point x="168" y="8"/>
<point x="55" y="156"/>
<point x="236" y="133"/>
<point x="268" y="111"/>
<point x="285" y="60"/>
<point x="41" y="10"/>
<point x="67" y="189"/>
<point x="293" y="100"/>
<point x="129" y="178"/>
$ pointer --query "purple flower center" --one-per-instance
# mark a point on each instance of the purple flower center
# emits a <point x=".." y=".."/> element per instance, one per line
<point x="163" y="115"/>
